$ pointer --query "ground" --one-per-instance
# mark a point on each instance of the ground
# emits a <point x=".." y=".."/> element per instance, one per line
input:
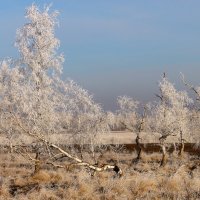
<point x="179" y="179"/>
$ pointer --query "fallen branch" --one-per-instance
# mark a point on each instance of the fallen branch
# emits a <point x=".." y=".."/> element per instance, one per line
<point x="105" y="167"/>
<point x="80" y="162"/>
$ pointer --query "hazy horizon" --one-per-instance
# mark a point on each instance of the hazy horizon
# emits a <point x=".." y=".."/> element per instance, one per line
<point x="115" y="48"/>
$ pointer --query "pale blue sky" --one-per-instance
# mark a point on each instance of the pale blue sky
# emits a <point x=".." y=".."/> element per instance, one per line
<point x="117" y="47"/>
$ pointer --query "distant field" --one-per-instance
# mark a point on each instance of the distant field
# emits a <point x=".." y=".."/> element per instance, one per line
<point x="150" y="142"/>
<point x="114" y="137"/>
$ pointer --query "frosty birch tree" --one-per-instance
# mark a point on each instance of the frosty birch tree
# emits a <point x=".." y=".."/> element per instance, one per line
<point x="132" y="120"/>
<point x="195" y="114"/>
<point x="127" y="111"/>
<point x="170" y="115"/>
<point x="34" y="98"/>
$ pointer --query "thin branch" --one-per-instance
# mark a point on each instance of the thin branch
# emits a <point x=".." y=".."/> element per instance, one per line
<point x="191" y="87"/>
<point x="128" y="128"/>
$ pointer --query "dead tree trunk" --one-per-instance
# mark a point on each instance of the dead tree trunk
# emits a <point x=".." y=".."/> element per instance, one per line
<point x="80" y="162"/>
<point x="37" y="163"/>
<point x="164" y="155"/>
<point x="11" y="147"/>
<point x="164" y="152"/>
<point x="139" y="147"/>
<point x="140" y="129"/>
<point x="182" y="147"/>
<point x="181" y="151"/>
<point x="162" y="140"/>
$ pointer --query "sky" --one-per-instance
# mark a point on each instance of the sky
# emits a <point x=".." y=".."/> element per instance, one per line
<point x="118" y="47"/>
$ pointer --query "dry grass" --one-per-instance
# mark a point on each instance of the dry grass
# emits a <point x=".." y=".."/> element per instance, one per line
<point x="142" y="180"/>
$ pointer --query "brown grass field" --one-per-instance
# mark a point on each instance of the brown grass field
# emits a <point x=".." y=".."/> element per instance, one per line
<point x="178" y="179"/>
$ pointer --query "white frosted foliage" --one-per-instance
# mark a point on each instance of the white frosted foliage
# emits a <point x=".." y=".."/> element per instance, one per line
<point x="33" y="96"/>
